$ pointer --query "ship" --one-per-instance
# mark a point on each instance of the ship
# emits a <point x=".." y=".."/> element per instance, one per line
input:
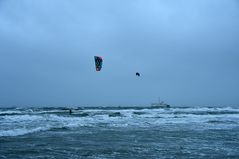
<point x="160" y="104"/>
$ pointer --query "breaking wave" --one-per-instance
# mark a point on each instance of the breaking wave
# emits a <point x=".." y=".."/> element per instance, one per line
<point x="15" y="122"/>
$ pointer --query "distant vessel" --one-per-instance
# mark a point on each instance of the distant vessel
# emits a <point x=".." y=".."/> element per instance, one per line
<point x="160" y="104"/>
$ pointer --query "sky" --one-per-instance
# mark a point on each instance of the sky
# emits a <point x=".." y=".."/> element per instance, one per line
<point x="187" y="52"/>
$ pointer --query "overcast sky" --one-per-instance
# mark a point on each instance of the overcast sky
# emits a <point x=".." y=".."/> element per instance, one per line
<point x="187" y="52"/>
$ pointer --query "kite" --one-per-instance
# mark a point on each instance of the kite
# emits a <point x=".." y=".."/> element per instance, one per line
<point x="98" y="63"/>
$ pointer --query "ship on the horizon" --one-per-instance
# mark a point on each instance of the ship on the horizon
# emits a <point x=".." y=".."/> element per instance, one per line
<point x="160" y="104"/>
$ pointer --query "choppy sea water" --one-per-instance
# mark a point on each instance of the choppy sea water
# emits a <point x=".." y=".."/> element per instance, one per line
<point x="120" y="132"/>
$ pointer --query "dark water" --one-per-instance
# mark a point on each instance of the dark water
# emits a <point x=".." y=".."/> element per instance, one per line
<point x="189" y="132"/>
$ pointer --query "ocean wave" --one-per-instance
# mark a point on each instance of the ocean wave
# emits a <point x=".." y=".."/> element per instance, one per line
<point x="19" y="132"/>
<point x="25" y="124"/>
<point x="139" y="110"/>
<point x="222" y="122"/>
<point x="35" y="120"/>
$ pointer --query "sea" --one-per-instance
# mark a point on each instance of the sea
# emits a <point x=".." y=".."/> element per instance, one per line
<point x="119" y="133"/>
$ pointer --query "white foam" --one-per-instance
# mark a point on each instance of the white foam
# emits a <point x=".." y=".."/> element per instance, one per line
<point x="18" y="132"/>
<point x="10" y="112"/>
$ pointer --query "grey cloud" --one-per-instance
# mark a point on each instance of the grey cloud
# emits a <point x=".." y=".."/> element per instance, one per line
<point x="186" y="51"/>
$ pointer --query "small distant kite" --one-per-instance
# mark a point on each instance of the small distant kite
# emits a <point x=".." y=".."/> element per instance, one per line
<point x="137" y="74"/>
<point x="98" y="63"/>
